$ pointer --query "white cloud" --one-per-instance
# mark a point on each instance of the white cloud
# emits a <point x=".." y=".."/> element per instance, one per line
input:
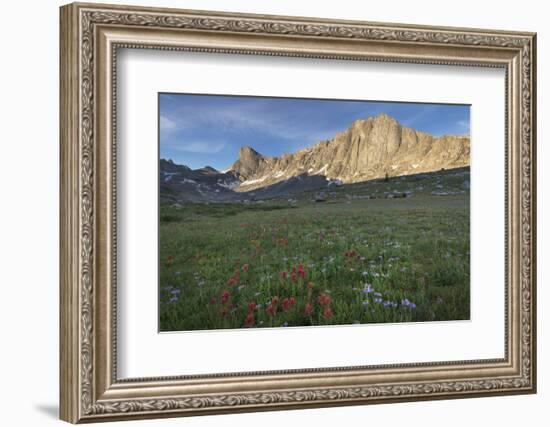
<point x="167" y="124"/>
<point x="253" y="117"/>
<point x="422" y="113"/>
<point x="464" y="124"/>
<point x="205" y="147"/>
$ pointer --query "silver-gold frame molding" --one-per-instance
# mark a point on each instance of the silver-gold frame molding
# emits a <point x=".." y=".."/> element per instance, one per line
<point x="90" y="37"/>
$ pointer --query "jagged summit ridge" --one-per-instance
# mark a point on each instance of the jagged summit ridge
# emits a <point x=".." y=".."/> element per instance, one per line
<point x="370" y="148"/>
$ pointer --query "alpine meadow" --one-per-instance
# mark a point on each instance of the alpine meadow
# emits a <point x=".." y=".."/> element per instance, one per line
<point x="285" y="212"/>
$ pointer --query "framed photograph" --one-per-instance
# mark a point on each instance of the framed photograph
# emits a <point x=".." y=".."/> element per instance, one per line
<point x="266" y="212"/>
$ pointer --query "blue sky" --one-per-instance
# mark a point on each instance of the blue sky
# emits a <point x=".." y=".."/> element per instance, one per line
<point x="199" y="130"/>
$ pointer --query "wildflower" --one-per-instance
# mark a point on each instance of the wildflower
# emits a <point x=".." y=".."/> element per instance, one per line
<point x="213" y="301"/>
<point x="368" y="289"/>
<point x="249" y="320"/>
<point x="175" y="291"/>
<point x="225" y="297"/>
<point x="275" y="300"/>
<point x="271" y="310"/>
<point x="293" y="277"/>
<point x="378" y="300"/>
<point x="327" y="313"/>
<point x="173" y="299"/>
<point x="301" y="271"/>
<point x="366" y="303"/>
<point x="310" y="285"/>
<point x="324" y="299"/>
<point x="286" y="304"/>
<point x="407" y="303"/>
<point x="292" y="301"/>
<point x="245" y="268"/>
<point x="232" y="281"/>
<point x="308" y="309"/>
<point x="251" y="306"/>
<point x="284" y="275"/>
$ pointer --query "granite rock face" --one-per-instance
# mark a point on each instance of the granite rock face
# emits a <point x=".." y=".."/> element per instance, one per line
<point x="372" y="148"/>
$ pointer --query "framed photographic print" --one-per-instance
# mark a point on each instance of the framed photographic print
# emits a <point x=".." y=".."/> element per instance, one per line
<point x="265" y="212"/>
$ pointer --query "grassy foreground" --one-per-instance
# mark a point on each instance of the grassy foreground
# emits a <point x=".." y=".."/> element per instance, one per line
<point x="347" y="260"/>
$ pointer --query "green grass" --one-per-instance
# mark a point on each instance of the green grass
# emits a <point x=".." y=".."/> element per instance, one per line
<point x="414" y="249"/>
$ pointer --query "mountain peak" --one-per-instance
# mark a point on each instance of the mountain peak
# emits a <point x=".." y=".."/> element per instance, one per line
<point x="383" y="117"/>
<point x="246" y="151"/>
<point x="248" y="162"/>
<point x="209" y="169"/>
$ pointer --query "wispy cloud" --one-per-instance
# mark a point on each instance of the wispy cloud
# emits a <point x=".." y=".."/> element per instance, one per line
<point x="253" y="117"/>
<point x="464" y="125"/>
<point x="204" y="147"/>
<point x="422" y="113"/>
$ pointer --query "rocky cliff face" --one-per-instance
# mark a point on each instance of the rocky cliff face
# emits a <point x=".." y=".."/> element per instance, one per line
<point x="368" y="149"/>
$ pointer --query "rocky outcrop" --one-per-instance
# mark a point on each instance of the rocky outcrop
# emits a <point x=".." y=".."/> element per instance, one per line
<point x="371" y="148"/>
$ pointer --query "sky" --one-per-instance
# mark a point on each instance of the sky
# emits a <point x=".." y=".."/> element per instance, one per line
<point x="200" y="130"/>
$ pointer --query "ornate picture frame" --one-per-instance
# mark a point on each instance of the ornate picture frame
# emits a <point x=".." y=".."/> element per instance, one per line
<point x="90" y="37"/>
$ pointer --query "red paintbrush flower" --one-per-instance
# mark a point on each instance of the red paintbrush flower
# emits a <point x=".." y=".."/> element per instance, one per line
<point x="232" y="281"/>
<point x="284" y="275"/>
<point x="286" y="304"/>
<point x="327" y="313"/>
<point x="275" y="300"/>
<point x="324" y="299"/>
<point x="293" y="277"/>
<point x="308" y="309"/>
<point x="213" y="301"/>
<point x="251" y="306"/>
<point x="271" y="310"/>
<point x="225" y="297"/>
<point x="249" y="320"/>
<point x="245" y="268"/>
<point x="292" y="301"/>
